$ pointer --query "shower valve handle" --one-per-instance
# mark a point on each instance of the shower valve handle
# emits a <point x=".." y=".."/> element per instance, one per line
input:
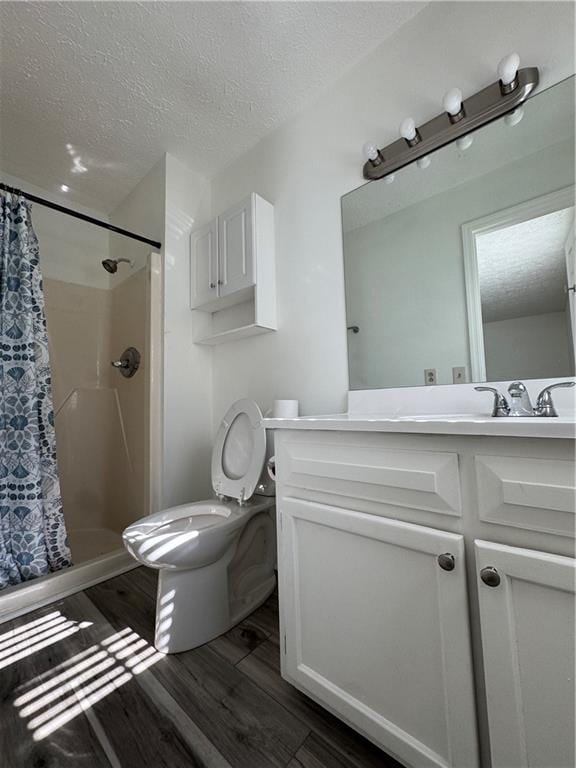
<point x="129" y="362"/>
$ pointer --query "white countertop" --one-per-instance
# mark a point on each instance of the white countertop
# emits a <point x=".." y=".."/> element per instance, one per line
<point x="436" y="424"/>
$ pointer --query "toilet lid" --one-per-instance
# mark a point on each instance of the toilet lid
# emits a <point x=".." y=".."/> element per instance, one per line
<point x="239" y="451"/>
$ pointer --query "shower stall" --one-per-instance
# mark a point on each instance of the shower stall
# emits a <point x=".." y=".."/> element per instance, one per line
<point x="102" y="299"/>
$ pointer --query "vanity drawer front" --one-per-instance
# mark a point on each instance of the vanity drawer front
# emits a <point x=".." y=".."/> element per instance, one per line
<point x="532" y="493"/>
<point x="419" y="480"/>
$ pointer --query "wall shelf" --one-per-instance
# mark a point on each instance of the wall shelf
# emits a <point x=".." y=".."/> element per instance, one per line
<point x="233" y="334"/>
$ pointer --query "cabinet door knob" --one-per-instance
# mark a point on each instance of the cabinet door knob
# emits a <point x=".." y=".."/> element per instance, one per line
<point x="212" y="285"/>
<point x="490" y="576"/>
<point x="446" y="562"/>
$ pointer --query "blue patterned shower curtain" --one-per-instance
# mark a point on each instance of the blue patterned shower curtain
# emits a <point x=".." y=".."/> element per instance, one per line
<point x="32" y="529"/>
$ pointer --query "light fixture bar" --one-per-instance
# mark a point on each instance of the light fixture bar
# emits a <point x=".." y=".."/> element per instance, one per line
<point x="482" y="108"/>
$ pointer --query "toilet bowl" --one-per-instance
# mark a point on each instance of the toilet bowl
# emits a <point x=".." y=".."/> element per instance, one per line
<point x="216" y="557"/>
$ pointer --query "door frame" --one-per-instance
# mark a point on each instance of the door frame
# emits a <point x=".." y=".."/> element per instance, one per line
<point x="531" y="209"/>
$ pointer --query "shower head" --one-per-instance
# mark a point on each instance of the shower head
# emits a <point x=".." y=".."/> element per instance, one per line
<point x="111" y="265"/>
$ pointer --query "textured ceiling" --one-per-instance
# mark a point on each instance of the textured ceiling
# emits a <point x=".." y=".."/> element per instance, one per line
<point x="522" y="268"/>
<point x="111" y="86"/>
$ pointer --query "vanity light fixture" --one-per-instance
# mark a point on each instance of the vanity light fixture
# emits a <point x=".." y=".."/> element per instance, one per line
<point x="409" y="132"/>
<point x="452" y="104"/>
<point x="459" y="119"/>
<point x="372" y="153"/>
<point x="508" y="73"/>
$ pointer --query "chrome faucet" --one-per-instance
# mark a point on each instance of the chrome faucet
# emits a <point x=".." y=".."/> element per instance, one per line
<point x="519" y="404"/>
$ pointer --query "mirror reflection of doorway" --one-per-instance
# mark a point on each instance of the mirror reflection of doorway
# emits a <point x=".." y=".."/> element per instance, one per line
<point x="519" y="269"/>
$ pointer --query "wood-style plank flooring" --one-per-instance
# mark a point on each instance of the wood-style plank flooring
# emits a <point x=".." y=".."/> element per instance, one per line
<point x="81" y="685"/>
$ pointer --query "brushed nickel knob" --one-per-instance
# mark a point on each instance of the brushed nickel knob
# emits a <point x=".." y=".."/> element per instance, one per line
<point x="446" y="562"/>
<point x="212" y="285"/>
<point x="490" y="576"/>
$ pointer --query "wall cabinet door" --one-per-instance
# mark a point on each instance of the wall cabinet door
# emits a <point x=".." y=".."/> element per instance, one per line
<point x="236" y="248"/>
<point x="377" y="631"/>
<point x="527" y="620"/>
<point x="204" y="265"/>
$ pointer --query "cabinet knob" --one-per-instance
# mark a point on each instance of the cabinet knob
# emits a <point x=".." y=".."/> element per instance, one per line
<point x="446" y="562"/>
<point x="220" y="282"/>
<point x="212" y="285"/>
<point x="490" y="576"/>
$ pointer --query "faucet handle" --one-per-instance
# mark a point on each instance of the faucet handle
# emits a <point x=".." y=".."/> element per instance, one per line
<point x="500" y="407"/>
<point x="544" y="404"/>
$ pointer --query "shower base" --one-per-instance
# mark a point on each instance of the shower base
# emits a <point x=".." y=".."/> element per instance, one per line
<point x="88" y="543"/>
<point x="22" y="598"/>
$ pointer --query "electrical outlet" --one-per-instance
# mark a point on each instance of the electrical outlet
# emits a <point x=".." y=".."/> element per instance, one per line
<point x="430" y="375"/>
<point x="459" y="374"/>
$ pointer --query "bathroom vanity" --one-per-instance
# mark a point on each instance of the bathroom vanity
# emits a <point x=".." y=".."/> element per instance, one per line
<point x="427" y="574"/>
<point x="426" y="548"/>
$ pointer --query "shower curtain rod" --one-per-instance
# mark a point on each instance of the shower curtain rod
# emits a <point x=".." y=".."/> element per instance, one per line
<point x="81" y="216"/>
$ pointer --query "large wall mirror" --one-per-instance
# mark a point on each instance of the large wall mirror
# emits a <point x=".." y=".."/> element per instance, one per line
<point x="464" y="271"/>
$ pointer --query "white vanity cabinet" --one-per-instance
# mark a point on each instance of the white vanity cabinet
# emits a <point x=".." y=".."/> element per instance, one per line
<point x="381" y="630"/>
<point x="376" y="630"/>
<point x="527" y="623"/>
<point x="232" y="273"/>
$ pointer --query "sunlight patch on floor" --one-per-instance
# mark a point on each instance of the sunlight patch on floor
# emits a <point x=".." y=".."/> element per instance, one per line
<point x="36" y="635"/>
<point x="75" y="685"/>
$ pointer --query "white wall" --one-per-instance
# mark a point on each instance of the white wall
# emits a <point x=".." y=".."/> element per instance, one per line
<point x="187" y="366"/>
<point x="305" y="166"/>
<point x="165" y="206"/>
<point x="405" y="284"/>
<point x="143" y="212"/>
<point x="532" y="347"/>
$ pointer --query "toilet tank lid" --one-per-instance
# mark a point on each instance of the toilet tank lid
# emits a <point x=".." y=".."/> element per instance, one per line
<point x="239" y="451"/>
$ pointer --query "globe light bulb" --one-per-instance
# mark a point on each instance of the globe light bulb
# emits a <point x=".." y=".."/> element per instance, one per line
<point x="514" y="117"/>
<point x="508" y="68"/>
<point x="370" y="151"/>
<point x="452" y="101"/>
<point x="464" y="142"/>
<point x="408" y="129"/>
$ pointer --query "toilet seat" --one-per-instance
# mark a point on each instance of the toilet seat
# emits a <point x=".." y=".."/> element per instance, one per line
<point x="239" y="451"/>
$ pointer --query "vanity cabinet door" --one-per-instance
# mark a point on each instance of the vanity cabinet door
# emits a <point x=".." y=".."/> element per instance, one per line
<point x="527" y="621"/>
<point x="236" y="248"/>
<point x="377" y="631"/>
<point x="204" y="265"/>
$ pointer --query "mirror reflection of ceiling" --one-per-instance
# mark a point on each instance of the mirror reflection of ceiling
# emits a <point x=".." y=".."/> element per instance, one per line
<point x="534" y="280"/>
<point x="494" y="146"/>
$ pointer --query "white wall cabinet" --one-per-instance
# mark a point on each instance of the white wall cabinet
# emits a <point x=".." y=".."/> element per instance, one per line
<point x="232" y="273"/>
<point x="378" y="631"/>
<point x="375" y="630"/>
<point x="204" y="265"/>
<point x="237" y="250"/>
<point x="527" y="620"/>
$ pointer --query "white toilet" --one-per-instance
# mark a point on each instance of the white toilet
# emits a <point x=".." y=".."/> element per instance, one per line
<point x="216" y="558"/>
